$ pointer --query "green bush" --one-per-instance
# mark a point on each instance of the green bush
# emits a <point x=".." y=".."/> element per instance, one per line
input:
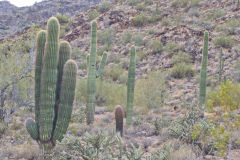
<point x="113" y="73"/>
<point x="140" y="20"/>
<point x="156" y="46"/>
<point x="181" y="57"/>
<point x="138" y="39"/>
<point x="141" y="7"/>
<point x="216" y="14"/>
<point x="148" y="2"/>
<point x="62" y="18"/>
<point x="182" y="70"/>
<point x="108" y="94"/>
<point x="229" y="27"/>
<point x="93" y="14"/>
<point x="106" y="37"/>
<point x="150" y="92"/>
<point x="224" y="41"/>
<point x="171" y="47"/>
<point x="133" y="2"/>
<point x="104" y="7"/>
<point x="126" y="37"/>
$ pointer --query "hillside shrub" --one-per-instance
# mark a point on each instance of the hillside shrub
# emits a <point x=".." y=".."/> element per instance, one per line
<point x="140" y="20"/>
<point x="182" y="70"/>
<point x="156" y="46"/>
<point x="224" y="41"/>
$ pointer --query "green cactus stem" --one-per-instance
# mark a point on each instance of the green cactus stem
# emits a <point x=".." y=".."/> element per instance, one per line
<point x="32" y="129"/>
<point x="40" y="44"/>
<point x="203" y="73"/>
<point x="119" y="115"/>
<point x="130" y="87"/>
<point x="66" y="99"/>
<point x="92" y="74"/>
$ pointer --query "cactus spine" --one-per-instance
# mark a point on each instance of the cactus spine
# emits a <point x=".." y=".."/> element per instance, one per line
<point x="130" y="86"/>
<point x="221" y="65"/>
<point x="119" y="115"/>
<point x="92" y="74"/>
<point x="55" y="81"/>
<point x="204" y="70"/>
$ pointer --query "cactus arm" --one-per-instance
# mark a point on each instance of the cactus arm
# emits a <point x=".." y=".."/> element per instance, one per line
<point x="49" y="80"/>
<point x="32" y="129"/>
<point x="204" y="70"/>
<point x="101" y="66"/>
<point x="130" y="86"/>
<point x="91" y="80"/>
<point x="40" y="44"/>
<point x="119" y="115"/>
<point x="66" y="100"/>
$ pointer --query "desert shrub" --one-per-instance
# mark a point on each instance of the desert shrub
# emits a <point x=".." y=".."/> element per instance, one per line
<point x="148" y="2"/>
<point x="182" y="70"/>
<point x="229" y="27"/>
<point x="171" y="47"/>
<point x="133" y="2"/>
<point x="224" y="41"/>
<point x="217" y="13"/>
<point x="138" y="39"/>
<point x="108" y="93"/>
<point x="181" y="57"/>
<point x="106" y="37"/>
<point x="100" y="146"/>
<point x="159" y="124"/>
<point x="113" y="73"/>
<point x="93" y="14"/>
<point x="151" y="31"/>
<point x="180" y="3"/>
<point x="165" y="21"/>
<point x="141" y="7"/>
<point x="140" y="55"/>
<point x="224" y="104"/>
<point x="154" y="18"/>
<point x="155" y="45"/>
<point x="150" y="92"/>
<point x="3" y="128"/>
<point x="62" y="18"/>
<point x="126" y="37"/>
<point x="104" y="7"/>
<point x="140" y="20"/>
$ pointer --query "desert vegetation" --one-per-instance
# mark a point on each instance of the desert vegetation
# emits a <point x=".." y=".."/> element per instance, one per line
<point x="127" y="80"/>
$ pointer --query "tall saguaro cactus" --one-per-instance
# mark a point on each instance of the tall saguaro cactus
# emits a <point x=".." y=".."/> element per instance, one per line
<point x="55" y="81"/>
<point x="93" y="74"/>
<point x="130" y="86"/>
<point x="203" y="78"/>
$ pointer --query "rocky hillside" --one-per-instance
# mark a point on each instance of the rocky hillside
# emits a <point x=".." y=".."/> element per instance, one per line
<point x="14" y="19"/>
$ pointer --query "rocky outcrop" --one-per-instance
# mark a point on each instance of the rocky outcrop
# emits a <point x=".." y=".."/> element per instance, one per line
<point x="14" y="19"/>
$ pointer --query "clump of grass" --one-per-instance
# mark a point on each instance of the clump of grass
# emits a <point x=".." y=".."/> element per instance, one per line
<point x="224" y="41"/>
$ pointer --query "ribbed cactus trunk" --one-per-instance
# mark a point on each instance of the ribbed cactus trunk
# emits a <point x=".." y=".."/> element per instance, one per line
<point x="67" y="95"/>
<point x="91" y="80"/>
<point x="49" y="80"/>
<point x="55" y="81"/>
<point x="92" y="74"/>
<point x="130" y="86"/>
<point x="203" y="74"/>
<point x="40" y="45"/>
<point x="221" y="64"/>
<point x="119" y="115"/>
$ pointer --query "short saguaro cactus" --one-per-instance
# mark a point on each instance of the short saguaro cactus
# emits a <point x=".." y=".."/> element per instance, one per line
<point x="55" y="82"/>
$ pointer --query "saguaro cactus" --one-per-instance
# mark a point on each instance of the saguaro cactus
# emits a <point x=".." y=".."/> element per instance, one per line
<point x="92" y="74"/>
<point x="55" y="81"/>
<point x="119" y="115"/>
<point x="221" y="64"/>
<point x="204" y="70"/>
<point x="130" y="86"/>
